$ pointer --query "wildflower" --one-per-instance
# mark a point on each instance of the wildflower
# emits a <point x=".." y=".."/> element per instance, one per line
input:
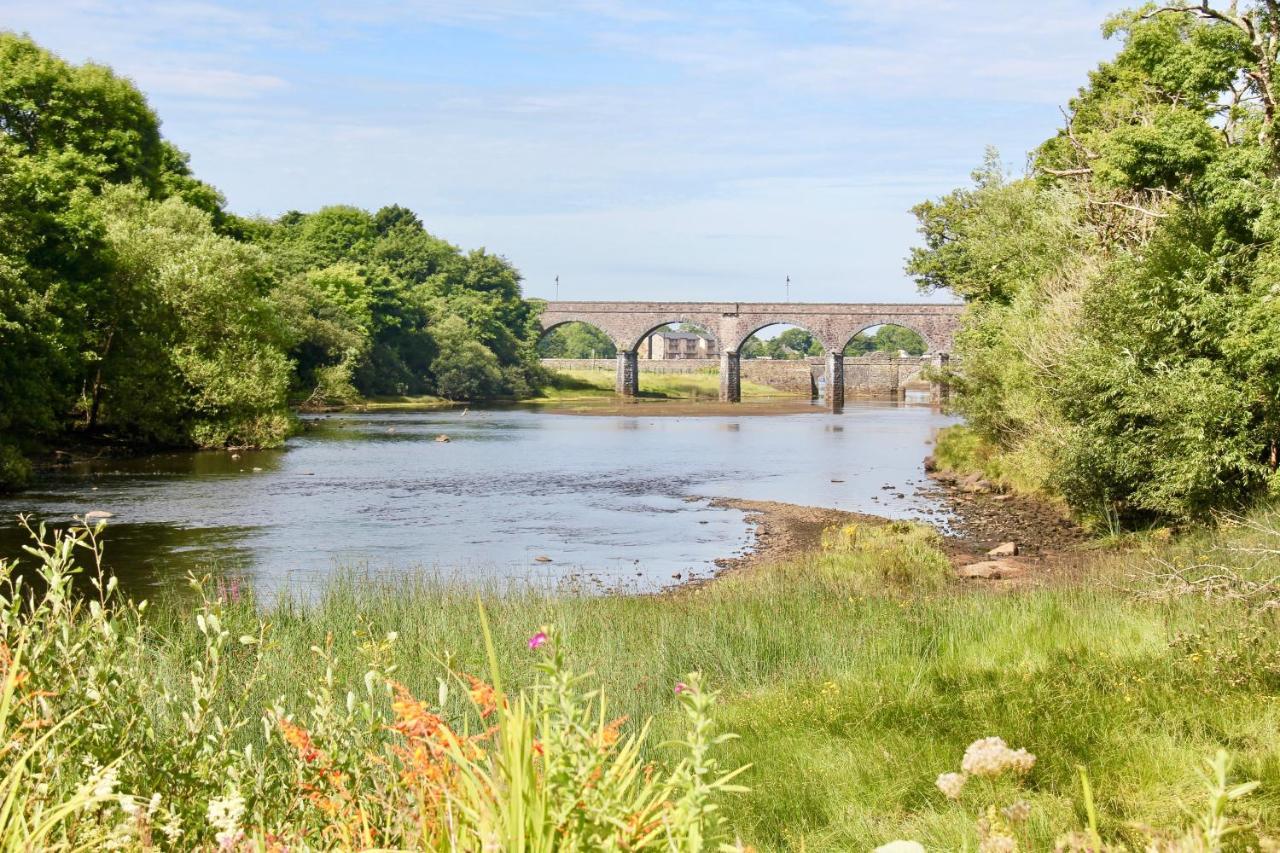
<point x="998" y="844"/>
<point x="991" y="756"/>
<point x="950" y="784"/>
<point x="538" y="640"/>
<point x="300" y="739"/>
<point x="105" y="785"/>
<point x="610" y="733"/>
<point x="129" y="805"/>
<point x="224" y="815"/>
<point x="172" y="828"/>
<point x="1017" y="812"/>
<point x="483" y="696"/>
<point x="681" y="687"/>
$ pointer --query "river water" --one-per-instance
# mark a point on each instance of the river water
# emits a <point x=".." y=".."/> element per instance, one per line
<point x="609" y="502"/>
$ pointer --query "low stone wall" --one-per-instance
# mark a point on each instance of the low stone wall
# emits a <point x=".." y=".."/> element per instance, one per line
<point x="647" y="365"/>
<point x="873" y="373"/>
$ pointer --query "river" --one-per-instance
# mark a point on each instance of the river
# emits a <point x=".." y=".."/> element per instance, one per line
<point x="598" y="503"/>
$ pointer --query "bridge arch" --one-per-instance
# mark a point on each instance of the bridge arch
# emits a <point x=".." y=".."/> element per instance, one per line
<point x="898" y="323"/>
<point x="550" y="329"/>
<point x="710" y="329"/>
<point x="796" y="322"/>
<point x="767" y="325"/>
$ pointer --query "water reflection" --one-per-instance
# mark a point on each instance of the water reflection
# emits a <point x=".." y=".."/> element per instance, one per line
<point x="611" y="502"/>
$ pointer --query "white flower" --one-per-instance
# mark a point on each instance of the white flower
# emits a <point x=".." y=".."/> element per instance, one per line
<point x="129" y="805"/>
<point x="900" y="847"/>
<point x="950" y="784"/>
<point x="998" y="844"/>
<point x="105" y="785"/>
<point x="224" y="815"/>
<point x="1017" y="812"/>
<point x="991" y="756"/>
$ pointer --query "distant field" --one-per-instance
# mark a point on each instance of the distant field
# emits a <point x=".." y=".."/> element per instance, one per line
<point x="588" y="384"/>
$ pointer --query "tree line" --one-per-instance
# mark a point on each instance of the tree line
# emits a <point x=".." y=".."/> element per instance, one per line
<point x="134" y="305"/>
<point x="1122" y="343"/>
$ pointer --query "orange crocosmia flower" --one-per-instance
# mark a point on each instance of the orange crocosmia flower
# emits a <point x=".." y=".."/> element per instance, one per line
<point x="413" y="719"/>
<point x="609" y="734"/>
<point x="483" y="695"/>
<point x="300" y="739"/>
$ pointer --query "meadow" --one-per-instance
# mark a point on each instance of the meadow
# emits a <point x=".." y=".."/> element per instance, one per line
<point x="853" y="678"/>
<point x="570" y="385"/>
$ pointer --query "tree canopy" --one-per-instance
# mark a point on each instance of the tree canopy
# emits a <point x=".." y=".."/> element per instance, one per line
<point x="134" y="306"/>
<point x="1122" y="344"/>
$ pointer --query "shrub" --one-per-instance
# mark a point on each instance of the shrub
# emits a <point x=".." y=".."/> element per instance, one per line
<point x="15" y="470"/>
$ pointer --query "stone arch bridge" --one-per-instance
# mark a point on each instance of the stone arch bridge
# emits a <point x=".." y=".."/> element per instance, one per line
<point x="731" y="323"/>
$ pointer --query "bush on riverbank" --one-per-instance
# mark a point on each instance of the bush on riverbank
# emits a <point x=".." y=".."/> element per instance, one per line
<point x="851" y="688"/>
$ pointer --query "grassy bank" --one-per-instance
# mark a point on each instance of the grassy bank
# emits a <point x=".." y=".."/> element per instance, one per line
<point x="569" y="385"/>
<point x="854" y="676"/>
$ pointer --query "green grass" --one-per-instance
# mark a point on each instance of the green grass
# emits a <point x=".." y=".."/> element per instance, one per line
<point x="392" y="403"/>
<point x="569" y="385"/>
<point x="856" y="675"/>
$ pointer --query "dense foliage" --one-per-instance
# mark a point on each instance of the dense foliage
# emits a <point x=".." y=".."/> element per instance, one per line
<point x="792" y="343"/>
<point x="1122" y="346"/>
<point x="132" y="304"/>
<point x="796" y="343"/>
<point x="576" y="340"/>
<point x="888" y="338"/>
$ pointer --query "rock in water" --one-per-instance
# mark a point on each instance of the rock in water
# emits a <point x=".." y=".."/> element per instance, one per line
<point x="541" y="558"/>
<point x="1004" y="549"/>
<point x="442" y="438"/>
<point x="98" y="515"/>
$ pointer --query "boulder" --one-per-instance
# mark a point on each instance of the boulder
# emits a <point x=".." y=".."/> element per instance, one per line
<point x="930" y="464"/>
<point x="992" y="570"/>
<point x="98" y="515"/>
<point x="442" y="438"/>
<point x="542" y="558"/>
<point x="1004" y="549"/>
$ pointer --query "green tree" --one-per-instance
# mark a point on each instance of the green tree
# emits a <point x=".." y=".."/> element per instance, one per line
<point x="198" y="359"/>
<point x="1121" y="344"/>
<point x="465" y="368"/>
<point x="576" y="340"/>
<point x="888" y="338"/>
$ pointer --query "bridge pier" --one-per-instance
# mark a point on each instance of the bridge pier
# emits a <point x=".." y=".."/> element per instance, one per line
<point x="628" y="378"/>
<point x="730" y="377"/>
<point x="939" y="391"/>
<point x="835" y="381"/>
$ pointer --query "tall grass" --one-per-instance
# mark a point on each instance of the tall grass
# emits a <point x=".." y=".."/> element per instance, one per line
<point x="853" y="677"/>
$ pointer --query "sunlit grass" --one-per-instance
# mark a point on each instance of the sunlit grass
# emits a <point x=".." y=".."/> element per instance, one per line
<point x="581" y="384"/>
<point x="854" y="676"/>
<point x="855" y="680"/>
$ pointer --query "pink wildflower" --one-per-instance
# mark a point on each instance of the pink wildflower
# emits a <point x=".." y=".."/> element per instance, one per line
<point x="681" y="687"/>
<point x="538" y="640"/>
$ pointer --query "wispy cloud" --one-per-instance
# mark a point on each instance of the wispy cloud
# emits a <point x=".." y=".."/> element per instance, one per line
<point x="621" y="143"/>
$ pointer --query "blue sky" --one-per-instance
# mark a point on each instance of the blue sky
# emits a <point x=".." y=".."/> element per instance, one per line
<point x="662" y="150"/>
